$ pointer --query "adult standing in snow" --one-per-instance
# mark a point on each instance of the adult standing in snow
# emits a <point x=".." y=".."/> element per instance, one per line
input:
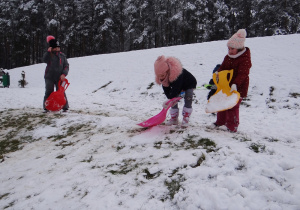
<point x="57" y="69"/>
<point x="174" y="79"/>
<point x="238" y="59"/>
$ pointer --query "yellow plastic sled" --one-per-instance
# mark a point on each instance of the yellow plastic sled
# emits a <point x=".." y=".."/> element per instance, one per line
<point x="223" y="98"/>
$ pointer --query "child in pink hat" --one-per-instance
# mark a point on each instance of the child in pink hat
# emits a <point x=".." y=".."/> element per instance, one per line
<point x="57" y="69"/>
<point x="238" y="59"/>
<point x="174" y="79"/>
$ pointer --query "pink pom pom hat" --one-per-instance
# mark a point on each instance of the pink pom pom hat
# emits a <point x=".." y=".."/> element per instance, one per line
<point x="163" y="64"/>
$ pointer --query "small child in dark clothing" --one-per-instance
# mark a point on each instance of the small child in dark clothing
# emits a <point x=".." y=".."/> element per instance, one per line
<point x="213" y="87"/>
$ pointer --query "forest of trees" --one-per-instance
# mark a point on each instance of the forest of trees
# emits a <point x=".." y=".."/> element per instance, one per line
<point x="88" y="27"/>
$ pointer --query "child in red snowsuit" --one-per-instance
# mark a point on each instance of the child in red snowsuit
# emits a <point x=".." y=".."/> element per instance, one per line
<point x="238" y="59"/>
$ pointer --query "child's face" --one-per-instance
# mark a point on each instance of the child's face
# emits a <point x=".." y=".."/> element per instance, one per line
<point x="232" y="51"/>
<point x="56" y="49"/>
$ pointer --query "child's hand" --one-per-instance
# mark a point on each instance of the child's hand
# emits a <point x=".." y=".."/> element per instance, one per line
<point x="233" y="87"/>
<point x="49" y="49"/>
<point x="62" y="77"/>
<point x="165" y="104"/>
<point x="171" y="104"/>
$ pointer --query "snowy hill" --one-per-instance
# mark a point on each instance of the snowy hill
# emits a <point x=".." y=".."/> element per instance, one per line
<point x="96" y="157"/>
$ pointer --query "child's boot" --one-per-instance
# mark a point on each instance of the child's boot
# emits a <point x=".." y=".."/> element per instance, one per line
<point x="174" y="117"/>
<point x="186" y="112"/>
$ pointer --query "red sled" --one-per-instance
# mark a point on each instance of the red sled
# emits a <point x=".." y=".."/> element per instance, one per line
<point x="160" y="117"/>
<point x="57" y="99"/>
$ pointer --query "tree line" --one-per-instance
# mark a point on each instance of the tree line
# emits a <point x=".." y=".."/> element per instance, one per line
<point x="88" y="27"/>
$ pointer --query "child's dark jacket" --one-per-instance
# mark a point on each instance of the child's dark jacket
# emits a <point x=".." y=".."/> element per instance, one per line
<point x="57" y="65"/>
<point x="183" y="82"/>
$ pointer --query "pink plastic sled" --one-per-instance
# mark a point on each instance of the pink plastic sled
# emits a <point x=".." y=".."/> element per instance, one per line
<point x="160" y="117"/>
<point x="57" y="100"/>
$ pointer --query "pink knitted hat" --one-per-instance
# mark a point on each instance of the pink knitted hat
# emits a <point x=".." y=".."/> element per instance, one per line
<point x="163" y="64"/>
<point x="238" y="39"/>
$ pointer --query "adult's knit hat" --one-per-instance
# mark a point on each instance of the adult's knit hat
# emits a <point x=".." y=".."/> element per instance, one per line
<point x="52" y="42"/>
<point x="237" y="41"/>
<point x="163" y="64"/>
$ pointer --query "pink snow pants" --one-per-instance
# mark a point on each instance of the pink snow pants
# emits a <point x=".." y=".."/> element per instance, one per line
<point x="230" y="117"/>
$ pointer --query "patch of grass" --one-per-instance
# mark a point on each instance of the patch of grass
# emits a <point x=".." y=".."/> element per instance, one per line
<point x="191" y="143"/>
<point x="174" y="186"/>
<point x="172" y="131"/>
<point x="271" y="89"/>
<point x="151" y="176"/>
<point x="15" y="128"/>
<point x="85" y="194"/>
<point x="180" y="131"/>
<point x="242" y="139"/>
<point x="271" y="100"/>
<point x="240" y="167"/>
<point x="158" y="144"/>
<point x="150" y="85"/>
<point x="60" y="156"/>
<point x="258" y="148"/>
<point x="120" y="147"/>
<point x="271" y="139"/>
<point x="199" y="161"/>
<point x="103" y="86"/>
<point x="56" y="137"/>
<point x="73" y="129"/>
<point x="28" y="139"/>
<point x="244" y="102"/>
<point x="10" y="205"/>
<point x="64" y="144"/>
<point x="88" y="160"/>
<point x="4" y="195"/>
<point x="174" y="172"/>
<point x="294" y="95"/>
<point x="166" y="156"/>
<point x="210" y="176"/>
<point x="137" y="130"/>
<point x="127" y="166"/>
<point x="9" y="145"/>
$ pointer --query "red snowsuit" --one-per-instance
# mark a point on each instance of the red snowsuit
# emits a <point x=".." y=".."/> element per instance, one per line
<point x="241" y="67"/>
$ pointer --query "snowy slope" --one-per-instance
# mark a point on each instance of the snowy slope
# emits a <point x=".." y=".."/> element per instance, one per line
<point x="96" y="157"/>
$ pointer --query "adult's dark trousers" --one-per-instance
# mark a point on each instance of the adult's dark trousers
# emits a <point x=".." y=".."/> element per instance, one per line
<point x="49" y="86"/>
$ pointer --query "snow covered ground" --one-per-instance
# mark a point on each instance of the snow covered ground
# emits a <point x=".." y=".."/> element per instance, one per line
<point x="96" y="157"/>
